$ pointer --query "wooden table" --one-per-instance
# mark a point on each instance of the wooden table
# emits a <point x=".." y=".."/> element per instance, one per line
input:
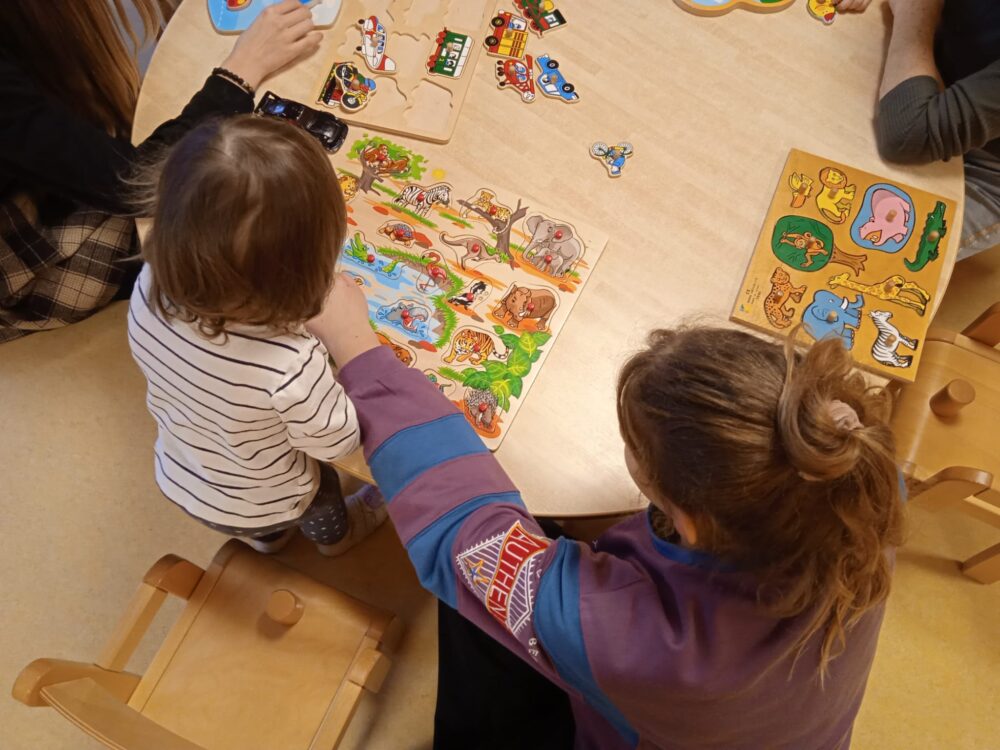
<point x="712" y="106"/>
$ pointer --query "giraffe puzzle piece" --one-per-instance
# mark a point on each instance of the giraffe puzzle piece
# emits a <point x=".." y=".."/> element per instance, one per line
<point x="894" y="289"/>
<point x="829" y="315"/>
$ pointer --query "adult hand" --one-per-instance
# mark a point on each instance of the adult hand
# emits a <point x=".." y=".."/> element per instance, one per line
<point x="343" y="324"/>
<point x="851" y="6"/>
<point x="281" y="34"/>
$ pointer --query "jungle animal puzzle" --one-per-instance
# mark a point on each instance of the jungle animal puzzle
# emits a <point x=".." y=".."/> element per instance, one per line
<point x="849" y="256"/>
<point x="468" y="283"/>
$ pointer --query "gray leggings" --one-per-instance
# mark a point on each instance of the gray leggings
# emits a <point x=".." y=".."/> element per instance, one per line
<point x="324" y="521"/>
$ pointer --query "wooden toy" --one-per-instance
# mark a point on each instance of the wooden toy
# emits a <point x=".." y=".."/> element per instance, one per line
<point x="261" y="656"/>
<point x="945" y="427"/>
<point x="468" y="284"/>
<point x="552" y="83"/>
<point x="372" y="47"/>
<point x="507" y="36"/>
<point x="612" y="157"/>
<point x="326" y="128"/>
<point x="517" y="75"/>
<point x="235" y="16"/>
<point x="719" y="7"/>
<point x="346" y="88"/>
<point x="541" y="15"/>
<point x="822" y="10"/>
<point x="843" y="240"/>
<point x="428" y="53"/>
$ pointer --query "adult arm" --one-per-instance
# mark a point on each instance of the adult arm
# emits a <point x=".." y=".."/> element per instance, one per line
<point x="919" y="119"/>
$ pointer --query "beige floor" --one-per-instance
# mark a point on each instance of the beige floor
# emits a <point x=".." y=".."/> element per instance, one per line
<point x="82" y="520"/>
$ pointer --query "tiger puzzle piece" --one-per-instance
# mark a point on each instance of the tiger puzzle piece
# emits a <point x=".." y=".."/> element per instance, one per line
<point x="542" y="15"/>
<point x="517" y="76"/>
<point x="508" y="36"/>
<point x="776" y="303"/>
<point x="719" y="7"/>
<point x="894" y="289"/>
<point x="486" y="201"/>
<point x="822" y="10"/>
<point x="835" y="199"/>
<point x="450" y="55"/>
<point x="520" y="303"/>
<point x="885" y="219"/>
<point x="473" y="345"/>
<point x="935" y="228"/>
<point x="612" y="157"/>
<point x="372" y="47"/>
<point x="889" y="340"/>
<point x="801" y="187"/>
<point x="830" y="316"/>
<point x="808" y="245"/>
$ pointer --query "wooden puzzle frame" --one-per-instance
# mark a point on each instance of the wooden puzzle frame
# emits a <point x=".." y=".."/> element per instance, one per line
<point x="848" y="254"/>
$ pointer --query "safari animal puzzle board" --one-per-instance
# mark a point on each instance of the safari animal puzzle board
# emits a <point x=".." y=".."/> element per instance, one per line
<point x="850" y="256"/>
<point x="470" y="284"/>
<point x="416" y="99"/>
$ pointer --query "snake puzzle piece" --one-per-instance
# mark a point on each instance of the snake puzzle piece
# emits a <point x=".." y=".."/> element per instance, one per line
<point x="851" y="256"/>
<point x="468" y="284"/>
<point x="235" y="16"/>
<point x="718" y="7"/>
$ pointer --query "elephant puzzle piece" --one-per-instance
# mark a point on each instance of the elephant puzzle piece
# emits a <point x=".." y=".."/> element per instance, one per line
<point x="829" y="315"/>
<point x="553" y="248"/>
<point x="893" y="289"/>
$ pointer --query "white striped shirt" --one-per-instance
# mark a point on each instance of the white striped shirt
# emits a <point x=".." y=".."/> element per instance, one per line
<point x="242" y="418"/>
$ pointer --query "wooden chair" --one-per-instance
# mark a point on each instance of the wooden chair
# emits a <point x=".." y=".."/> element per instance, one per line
<point x="261" y="657"/>
<point x="947" y="427"/>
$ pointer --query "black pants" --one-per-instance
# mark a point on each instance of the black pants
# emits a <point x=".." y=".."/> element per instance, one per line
<point x="489" y="699"/>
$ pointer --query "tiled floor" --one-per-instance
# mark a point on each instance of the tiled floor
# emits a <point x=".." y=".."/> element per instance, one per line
<point x="82" y="521"/>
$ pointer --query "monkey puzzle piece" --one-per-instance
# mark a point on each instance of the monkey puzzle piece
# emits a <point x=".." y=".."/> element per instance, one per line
<point x="450" y="54"/>
<point x="507" y="36"/>
<point x="372" y="47"/>
<point x="822" y="10"/>
<point x="552" y="83"/>
<point x="347" y="88"/>
<point x="516" y="75"/>
<point x="808" y="245"/>
<point x="542" y="15"/>
<point x="235" y="16"/>
<point x="613" y="157"/>
<point x="935" y="228"/>
<point x="719" y="7"/>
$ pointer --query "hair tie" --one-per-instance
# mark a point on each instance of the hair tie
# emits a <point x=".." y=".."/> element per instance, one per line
<point x="846" y="420"/>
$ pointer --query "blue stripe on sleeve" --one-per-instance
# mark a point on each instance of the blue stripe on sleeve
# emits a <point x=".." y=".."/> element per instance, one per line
<point x="431" y="549"/>
<point x="411" y="452"/>
<point x="557" y="625"/>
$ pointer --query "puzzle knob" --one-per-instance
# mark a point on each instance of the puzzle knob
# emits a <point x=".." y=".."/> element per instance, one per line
<point x="476" y="248"/>
<point x="831" y="317"/>
<point x="954" y="397"/>
<point x="370" y="258"/>
<point x="558" y="234"/>
<point x="285" y="607"/>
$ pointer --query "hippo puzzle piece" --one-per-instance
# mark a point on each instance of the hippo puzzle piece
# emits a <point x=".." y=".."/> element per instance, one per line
<point x="846" y="241"/>
<point x="465" y="282"/>
<point x="612" y="157"/>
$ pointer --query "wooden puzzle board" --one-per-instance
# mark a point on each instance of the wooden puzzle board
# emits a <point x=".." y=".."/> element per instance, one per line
<point x="852" y="256"/>
<point x="410" y="101"/>
<point x="467" y="283"/>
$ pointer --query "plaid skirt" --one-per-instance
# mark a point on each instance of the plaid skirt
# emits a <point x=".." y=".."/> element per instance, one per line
<point x="51" y="276"/>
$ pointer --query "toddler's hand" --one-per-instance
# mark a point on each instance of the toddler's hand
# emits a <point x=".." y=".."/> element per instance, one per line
<point x="281" y="34"/>
<point x="851" y="6"/>
<point x="343" y="324"/>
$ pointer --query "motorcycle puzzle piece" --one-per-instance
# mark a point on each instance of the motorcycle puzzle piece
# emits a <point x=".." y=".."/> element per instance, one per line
<point x="472" y="291"/>
<point x="612" y="157"/>
<point x="859" y="230"/>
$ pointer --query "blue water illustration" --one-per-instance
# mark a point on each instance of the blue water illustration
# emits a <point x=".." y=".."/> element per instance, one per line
<point x="228" y="21"/>
<point x="888" y="226"/>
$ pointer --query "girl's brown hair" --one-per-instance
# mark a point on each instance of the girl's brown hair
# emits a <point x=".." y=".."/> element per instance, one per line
<point x="738" y="433"/>
<point x="75" y="50"/>
<point x="248" y="219"/>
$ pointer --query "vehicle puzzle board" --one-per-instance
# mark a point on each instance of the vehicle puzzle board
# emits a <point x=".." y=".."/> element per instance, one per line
<point x="848" y="255"/>
<point x="467" y="283"/>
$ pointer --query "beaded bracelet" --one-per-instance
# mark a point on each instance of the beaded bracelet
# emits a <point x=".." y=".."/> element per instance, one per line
<point x="233" y="78"/>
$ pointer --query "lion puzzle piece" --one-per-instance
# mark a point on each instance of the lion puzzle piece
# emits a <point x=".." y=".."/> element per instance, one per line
<point x="372" y="47"/>
<point x="613" y="157"/>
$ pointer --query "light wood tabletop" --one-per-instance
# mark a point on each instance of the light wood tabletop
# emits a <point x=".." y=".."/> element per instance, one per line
<point x="712" y="106"/>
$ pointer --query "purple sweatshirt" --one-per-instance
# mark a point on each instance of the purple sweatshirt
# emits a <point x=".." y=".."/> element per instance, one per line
<point x="658" y="646"/>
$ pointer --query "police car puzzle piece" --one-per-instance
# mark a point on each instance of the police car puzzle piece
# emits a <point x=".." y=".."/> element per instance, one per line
<point x="551" y="81"/>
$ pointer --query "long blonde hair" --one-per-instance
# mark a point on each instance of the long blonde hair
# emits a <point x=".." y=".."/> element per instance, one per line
<point x="738" y="433"/>
<point x="75" y="50"/>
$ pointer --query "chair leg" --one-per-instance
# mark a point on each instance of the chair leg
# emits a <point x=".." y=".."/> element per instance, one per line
<point x="985" y="566"/>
